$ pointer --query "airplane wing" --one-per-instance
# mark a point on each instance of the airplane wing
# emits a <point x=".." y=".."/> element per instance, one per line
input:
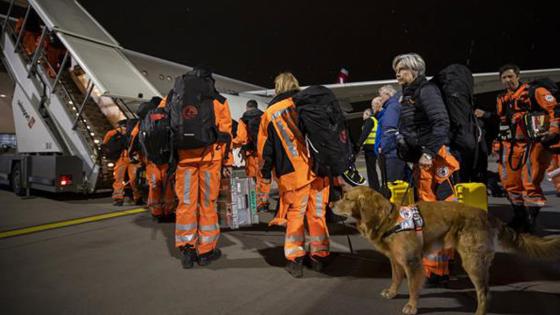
<point x="353" y="92"/>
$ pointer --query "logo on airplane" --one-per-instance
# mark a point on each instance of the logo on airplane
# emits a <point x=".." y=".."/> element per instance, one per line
<point x="29" y="118"/>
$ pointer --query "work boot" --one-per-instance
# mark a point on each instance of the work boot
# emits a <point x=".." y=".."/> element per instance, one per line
<point x="317" y="263"/>
<point x="531" y="223"/>
<point x="518" y="222"/>
<point x="189" y="256"/>
<point x="139" y="202"/>
<point x="263" y="207"/>
<point x="167" y="218"/>
<point x="118" y="203"/>
<point x="206" y="258"/>
<point x="295" y="267"/>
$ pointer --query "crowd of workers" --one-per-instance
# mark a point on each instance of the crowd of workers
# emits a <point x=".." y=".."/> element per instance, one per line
<point x="408" y="131"/>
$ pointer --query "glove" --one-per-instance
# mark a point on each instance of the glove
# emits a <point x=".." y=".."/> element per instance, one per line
<point x="550" y="139"/>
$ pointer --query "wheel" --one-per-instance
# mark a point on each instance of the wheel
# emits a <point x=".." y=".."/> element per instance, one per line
<point x="16" y="180"/>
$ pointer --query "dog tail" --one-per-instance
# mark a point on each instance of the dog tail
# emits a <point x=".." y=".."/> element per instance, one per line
<point x="526" y="244"/>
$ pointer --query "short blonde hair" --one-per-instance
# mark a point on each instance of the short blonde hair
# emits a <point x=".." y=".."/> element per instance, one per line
<point x="285" y="82"/>
<point x="411" y="61"/>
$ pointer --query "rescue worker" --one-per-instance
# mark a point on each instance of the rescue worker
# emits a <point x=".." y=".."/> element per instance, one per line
<point x="523" y="157"/>
<point x="124" y="166"/>
<point x="554" y="165"/>
<point x="369" y="141"/>
<point x="197" y="185"/>
<point x="161" y="194"/>
<point x="303" y="195"/>
<point x="247" y="142"/>
<point x="423" y="140"/>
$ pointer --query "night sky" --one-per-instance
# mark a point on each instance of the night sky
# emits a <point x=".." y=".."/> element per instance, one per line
<point x="254" y="40"/>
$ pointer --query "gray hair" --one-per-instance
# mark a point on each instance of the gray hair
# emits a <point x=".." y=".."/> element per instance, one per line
<point x="387" y="88"/>
<point x="411" y="61"/>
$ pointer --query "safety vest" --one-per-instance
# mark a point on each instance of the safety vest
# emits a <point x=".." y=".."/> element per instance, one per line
<point x="370" y="140"/>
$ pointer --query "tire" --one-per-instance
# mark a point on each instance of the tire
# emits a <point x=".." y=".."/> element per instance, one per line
<point x="16" y="180"/>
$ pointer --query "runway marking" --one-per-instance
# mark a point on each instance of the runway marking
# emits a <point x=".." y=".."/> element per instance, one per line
<point x="61" y="224"/>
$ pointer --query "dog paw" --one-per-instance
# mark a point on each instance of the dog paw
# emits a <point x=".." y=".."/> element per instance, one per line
<point x="388" y="294"/>
<point x="408" y="309"/>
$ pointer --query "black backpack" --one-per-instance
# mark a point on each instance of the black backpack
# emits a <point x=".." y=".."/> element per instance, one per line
<point x="193" y="123"/>
<point x="544" y="83"/>
<point x="252" y="120"/>
<point x="154" y="136"/>
<point x="457" y="85"/>
<point x="115" y="146"/>
<point x="323" y="124"/>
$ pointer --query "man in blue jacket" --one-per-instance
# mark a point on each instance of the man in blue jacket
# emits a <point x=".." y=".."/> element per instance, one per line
<point x="389" y="123"/>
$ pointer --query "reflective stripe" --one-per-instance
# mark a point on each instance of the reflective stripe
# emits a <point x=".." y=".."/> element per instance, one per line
<point x="293" y="251"/>
<point x="209" y="228"/>
<point x="304" y="205"/>
<point x="319" y="204"/>
<point x="154" y="181"/>
<point x="294" y="239"/>
<point x="187" y="188"/>
<point x="504" y="167"/>
<point x="437" y="258"/>
<point x="319" y="238"/>
<point x="209" y="239"/>
<point x="186" y="227"/>
<point x="185" y="238"/>
<point x="534" y="203"/>
<point x="370" y="140"/>
<point x="284" y="134"/>
<point x="207" y="188"/>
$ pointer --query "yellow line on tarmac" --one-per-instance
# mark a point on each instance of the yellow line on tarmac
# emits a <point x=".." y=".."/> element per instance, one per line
<point x="61" y="224"/>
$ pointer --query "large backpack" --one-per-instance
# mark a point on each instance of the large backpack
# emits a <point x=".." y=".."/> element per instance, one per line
<point x="154" y="136"/>
<point x="252" y="120"/>
<point x="323" y="124"/>
<point x="456" y="83"/>
<point x="544" y="83"/>
<point x="115" y="146"/>
<point x="193" y="123"/>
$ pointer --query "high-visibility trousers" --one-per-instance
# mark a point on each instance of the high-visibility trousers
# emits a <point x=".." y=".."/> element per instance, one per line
<point x="161" y="194"/>
<point x="124" y="167"/>
<point x="434" y="183"/>
<point x="197" y="186"/>
<point x="308" y="202"/>
<point x="437" y="261"/>
<point x="523" y="185"/>
<point x="555" y="164"/>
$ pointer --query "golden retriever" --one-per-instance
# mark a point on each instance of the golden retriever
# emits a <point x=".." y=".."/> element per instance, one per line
<point x="470" y="231"/>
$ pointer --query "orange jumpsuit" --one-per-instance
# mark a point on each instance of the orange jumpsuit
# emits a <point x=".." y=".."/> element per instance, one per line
<point x="523" y="185"/>
<point x="197" y="185"/>
<point x="161" y="194"/>
<point x="554" y="164"/>
<point x="302" y="194"/>
<point x="251" y="163"/>
<point x="123" y="167"/>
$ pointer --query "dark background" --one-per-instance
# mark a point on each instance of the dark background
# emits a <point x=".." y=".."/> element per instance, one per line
<point x="253" y="40"/>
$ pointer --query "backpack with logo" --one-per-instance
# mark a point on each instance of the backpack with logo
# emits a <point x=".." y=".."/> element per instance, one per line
<point x="252" y="120"/>
<point x="537" y="120"/>
<point x="323" y="124"/>
<point x="193" y="122"/>
<point x="456" y="84"/>
<point x="154" y="136"/>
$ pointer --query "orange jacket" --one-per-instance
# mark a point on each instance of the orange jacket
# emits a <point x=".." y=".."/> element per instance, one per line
<point x="218" y="150"/>
<point x="242" y="136"/>
<point x="281" y="147"/>
<point x="519" y="104"/>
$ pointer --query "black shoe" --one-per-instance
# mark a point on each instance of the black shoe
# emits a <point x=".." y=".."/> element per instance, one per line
<point x="558" y="194"/>
<point x="295" y="268"/>
<point x="317" y="263"/>
<point x="531" y="223"/>
<point x="167" y="218"/>
<point x="189" y="256"/>
<point x="436" y="281"/>
<point x="156" y="218"/>
<point x="118" y="203"/>
<point x="520" y="218"/>
<point x="206" y="258"/>
<point x="139" y="202"/>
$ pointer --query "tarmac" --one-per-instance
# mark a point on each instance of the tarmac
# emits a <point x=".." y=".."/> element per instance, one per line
<point x="125" y="263"/>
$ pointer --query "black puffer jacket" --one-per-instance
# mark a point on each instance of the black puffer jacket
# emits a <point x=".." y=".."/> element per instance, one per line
<point x="424" y="122"/>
